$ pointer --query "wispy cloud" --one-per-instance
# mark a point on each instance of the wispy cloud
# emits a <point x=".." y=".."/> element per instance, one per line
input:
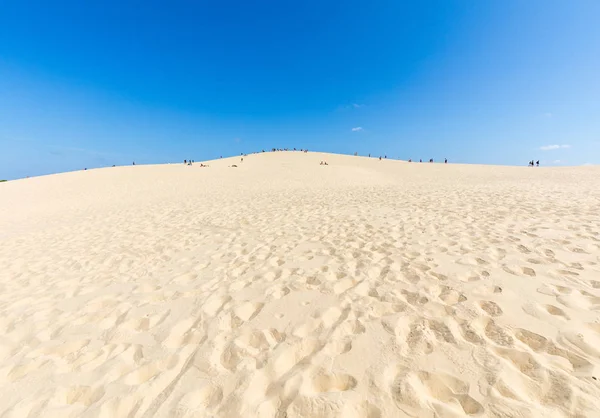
<point x="553" y="147"/>
<point x="357" y="129"/>
<point x="350" y="106"/>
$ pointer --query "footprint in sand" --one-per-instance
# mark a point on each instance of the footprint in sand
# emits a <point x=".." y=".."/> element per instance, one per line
<point x="420" y="337"/>
<point x="310" y="326"/>
<point x="441" y="331"/>
<point x="439" y="391"/>
<point x="338" y="347"/>
<point x="491" y="308"/>
<point x="231" y="357"/>
<point x="528" y="271"/>
<point x="553" y="310"/>
<point x="414" y="298"/>
<point x="586" y="341"/>
<point x="470" y="335"/>
<point x="578" y="363"/>
<point x="344" y="284"/>
<point x="185" y="332"/>
<point x="523" y="361"/>
<point x="540" y="311"/>
<point x="322" y="383"/>
<point x="248" y="310"/>
<point x="289" y="355"/>
<point x="215" y="304"/>
<point x="534" y="341"/>
<point x="278" y="292"/>
<point x="498" y="335"/>
<point x="208" y="396"/>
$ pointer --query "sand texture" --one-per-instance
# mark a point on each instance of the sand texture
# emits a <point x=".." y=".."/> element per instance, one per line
<point x="282" y="288"/>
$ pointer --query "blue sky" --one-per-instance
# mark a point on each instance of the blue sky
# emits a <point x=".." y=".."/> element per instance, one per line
<point x="89" y="84"/>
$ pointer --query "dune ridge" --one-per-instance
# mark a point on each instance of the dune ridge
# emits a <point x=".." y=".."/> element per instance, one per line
<point x="282" y="288"/>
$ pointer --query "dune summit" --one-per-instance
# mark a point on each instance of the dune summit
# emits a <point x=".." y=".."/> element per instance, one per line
<point x="283" y="288"/>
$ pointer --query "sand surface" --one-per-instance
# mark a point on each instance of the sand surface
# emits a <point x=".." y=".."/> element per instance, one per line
<point x="282" y="288"/>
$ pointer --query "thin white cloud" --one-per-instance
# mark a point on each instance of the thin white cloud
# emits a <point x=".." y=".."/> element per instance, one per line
<point x="556" y="162"/>
<point x="553" y="147"/>
<point x="358" y="128"/>
<point x="350" y="106"/>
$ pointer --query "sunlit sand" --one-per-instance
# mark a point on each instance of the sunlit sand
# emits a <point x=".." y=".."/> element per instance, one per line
<point x="283" y="288"/>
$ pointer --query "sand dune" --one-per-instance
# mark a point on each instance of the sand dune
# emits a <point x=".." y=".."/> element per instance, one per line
<point x="282" y="288"/>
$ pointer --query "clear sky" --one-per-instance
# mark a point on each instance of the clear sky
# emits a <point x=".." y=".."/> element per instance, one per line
<point x="96" y="83"/>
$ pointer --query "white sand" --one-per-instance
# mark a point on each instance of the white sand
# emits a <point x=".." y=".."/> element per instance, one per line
<point x="283" y="288"/>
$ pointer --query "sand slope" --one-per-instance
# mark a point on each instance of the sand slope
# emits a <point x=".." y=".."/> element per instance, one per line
<point x="283" y="289"/>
